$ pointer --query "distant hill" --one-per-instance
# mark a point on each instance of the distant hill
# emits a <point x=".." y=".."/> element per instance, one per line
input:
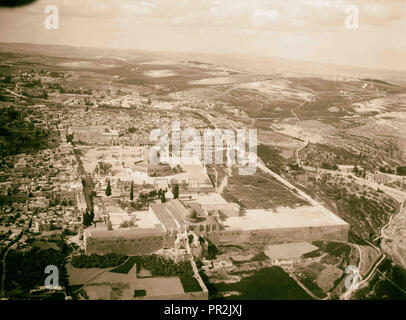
<point x="248" y="63"/>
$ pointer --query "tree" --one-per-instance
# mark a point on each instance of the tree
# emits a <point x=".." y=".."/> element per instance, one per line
<point x="108" y="189"/>
<point x="44" y="95"/>
<point x="69" y="138"/>
<point x="386" y="170"/>
<point x="91" y="215"/>
<point x="7" y="79"/>
<point x="401" y="171"/>
<point x="87" y="219"/>
<point x="176" y="191"/>
<point x="163" y="200"/>
<point x="132" y="191"/>
<point x="127" y="224"/>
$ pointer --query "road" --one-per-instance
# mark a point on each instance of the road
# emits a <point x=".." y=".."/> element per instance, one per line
<point x="360" y="258"/>
<point x="293" y="111"/>
<point x="298" y="162"/>
<point x="88" y="185"/>
<point x="292" y="275"/>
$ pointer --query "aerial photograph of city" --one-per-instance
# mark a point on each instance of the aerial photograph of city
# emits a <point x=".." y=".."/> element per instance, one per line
<point x="210" y="150"/>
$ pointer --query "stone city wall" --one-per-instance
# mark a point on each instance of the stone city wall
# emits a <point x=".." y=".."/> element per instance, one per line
<point x="330" y="233"/>
<point x="134" y="246"/>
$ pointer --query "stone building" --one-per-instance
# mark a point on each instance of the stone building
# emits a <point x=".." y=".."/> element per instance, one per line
<point x="305" y="223"/>
<point x="168" y="221"/>
<point x="152" y="170"/>
<point x="99" y="135"/>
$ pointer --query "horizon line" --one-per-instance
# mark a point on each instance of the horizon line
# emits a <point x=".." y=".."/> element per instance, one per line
<point x="212" y="54"/>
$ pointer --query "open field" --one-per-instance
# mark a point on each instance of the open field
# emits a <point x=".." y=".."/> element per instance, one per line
<point x="106" y="284"/>
<point x="81" y="276"/>
<point x="259" y="191"/>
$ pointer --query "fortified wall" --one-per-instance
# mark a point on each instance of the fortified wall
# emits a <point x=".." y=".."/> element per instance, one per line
<point x="328" y="233"/>
<point x="126" y="243"/>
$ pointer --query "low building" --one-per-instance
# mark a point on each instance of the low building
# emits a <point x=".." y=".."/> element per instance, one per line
<point x="152" y="170"/>
<point x="215" y="204"/>
<point x="346" y="168"/>
<point x="179" y="217"/>
<point x="156" y="229"/>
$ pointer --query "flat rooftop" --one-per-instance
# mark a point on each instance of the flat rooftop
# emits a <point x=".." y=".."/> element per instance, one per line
<point x="144" y="224"/>
<point x="284" y="217"/>
<point x="193" y="170"/>
<point x="171" y="214"/>
<point x="117" y="215"/>
<point x="143" y="219"/>
<point x="210" y="199"/>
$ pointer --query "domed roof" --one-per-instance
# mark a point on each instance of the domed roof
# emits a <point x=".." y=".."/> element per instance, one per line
<point x="191" y="214"/>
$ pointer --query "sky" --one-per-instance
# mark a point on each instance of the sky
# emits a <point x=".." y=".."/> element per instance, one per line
<point x="310" y="30"/>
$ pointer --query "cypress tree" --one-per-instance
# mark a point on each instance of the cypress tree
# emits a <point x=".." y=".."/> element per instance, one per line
<point x="163" y="200"/>
<point x="132" y="191"/>
<point x="108" y="189"/>
<point x="176" y="191"/>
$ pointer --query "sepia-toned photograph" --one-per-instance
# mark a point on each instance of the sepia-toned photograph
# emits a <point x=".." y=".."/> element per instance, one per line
<point x="215" y="150"/>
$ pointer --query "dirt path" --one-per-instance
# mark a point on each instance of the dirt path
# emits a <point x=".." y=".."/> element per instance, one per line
<point x="98" y="275"/>
<point x="360" y="258"/>
<point x="297" y="151"/>
<point x="303" y="286"/>
<point x="293" y="111"/>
